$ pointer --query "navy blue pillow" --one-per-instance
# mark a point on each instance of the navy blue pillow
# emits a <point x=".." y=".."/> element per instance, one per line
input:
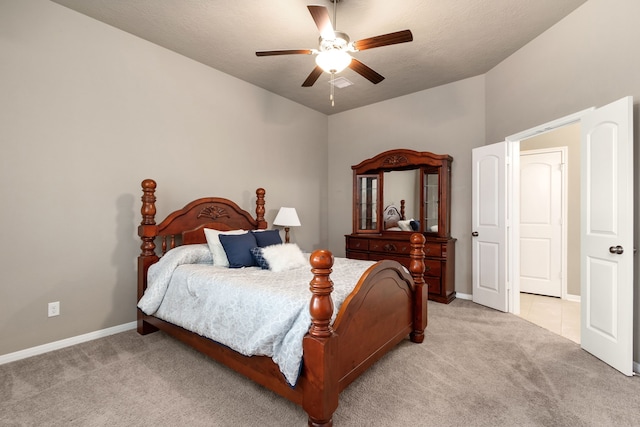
<point x="257" y="255"/>
<point x="238" y="249"/>
<point x="267" y="238"/>
<point x="415" y="225"/>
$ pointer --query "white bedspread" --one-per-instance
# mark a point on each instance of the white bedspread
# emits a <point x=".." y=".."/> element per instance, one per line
<point x="252" y="311"/>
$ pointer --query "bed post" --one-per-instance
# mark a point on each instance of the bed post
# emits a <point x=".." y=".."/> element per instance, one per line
<point x="321" y="392"/>
<point x="260" y="208"/>
<point x="417" y="269"/>
<point x="147" y="232"/>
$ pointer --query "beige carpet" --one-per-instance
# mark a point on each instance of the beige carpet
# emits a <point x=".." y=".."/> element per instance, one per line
<point x="477" y="367"/>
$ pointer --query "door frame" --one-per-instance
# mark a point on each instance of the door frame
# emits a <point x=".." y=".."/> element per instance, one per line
<point x="563" y="150"/>
<point x="513" y="198"/>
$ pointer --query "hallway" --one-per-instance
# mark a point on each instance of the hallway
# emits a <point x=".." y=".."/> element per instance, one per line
<point x="554" y="314"/>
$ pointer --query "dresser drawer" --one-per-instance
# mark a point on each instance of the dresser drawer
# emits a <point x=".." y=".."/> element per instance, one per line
<point x="432" y="268"/>
<point x="393" y="247"/>
<point x="379" y="256"/>
<point x="432" y="250"/>
<point x="357" y="255"/>
<point x="357" y="244"/>
<point x="433" y="283"/>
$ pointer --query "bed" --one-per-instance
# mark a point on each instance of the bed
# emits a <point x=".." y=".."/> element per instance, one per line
<point x="387" y="305"/>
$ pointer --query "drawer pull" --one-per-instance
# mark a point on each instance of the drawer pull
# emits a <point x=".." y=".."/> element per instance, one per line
<point x="389" y="247"/>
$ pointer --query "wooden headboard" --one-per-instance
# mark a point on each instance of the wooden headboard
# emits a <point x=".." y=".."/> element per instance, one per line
<point x="186" y="225"/>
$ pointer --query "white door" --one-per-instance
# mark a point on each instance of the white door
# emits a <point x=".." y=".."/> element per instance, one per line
<point x="489" y="228"/>
<point x="541" y="174"/>
<point x="606" y="284"/>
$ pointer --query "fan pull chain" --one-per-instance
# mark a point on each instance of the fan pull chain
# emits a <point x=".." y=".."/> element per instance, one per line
<point x="333" y="76"/>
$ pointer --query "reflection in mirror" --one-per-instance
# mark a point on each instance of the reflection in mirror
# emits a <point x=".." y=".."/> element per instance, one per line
<point x="367" y="206"/>
<point x="402" y="185"/>
<point x="431" y="188"/>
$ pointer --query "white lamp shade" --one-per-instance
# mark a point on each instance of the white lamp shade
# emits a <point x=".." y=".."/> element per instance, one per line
<point x="287" y="217"/>
<point x="333" y="61"/>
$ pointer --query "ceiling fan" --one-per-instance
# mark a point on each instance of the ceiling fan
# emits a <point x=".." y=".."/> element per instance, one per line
<point x="333" y="53"/>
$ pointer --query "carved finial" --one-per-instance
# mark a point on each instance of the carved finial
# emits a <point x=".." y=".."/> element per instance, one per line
<point x="321" y="306"/>
<point x="148" y="211"/>
<point x="417" y="257"/>
<point x="260" y="192"/>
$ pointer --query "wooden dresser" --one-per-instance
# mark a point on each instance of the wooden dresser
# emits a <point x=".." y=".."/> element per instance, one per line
<point x="439" y="259"/>
<point x="424" y="191"/>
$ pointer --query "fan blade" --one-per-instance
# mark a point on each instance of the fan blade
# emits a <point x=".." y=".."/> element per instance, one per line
<point x="320" y="15"/>
<point x="384" y="40"/>
<point x="312" y="77"/>
<point x="284" y="52"/>
<point x="365" y="71"/>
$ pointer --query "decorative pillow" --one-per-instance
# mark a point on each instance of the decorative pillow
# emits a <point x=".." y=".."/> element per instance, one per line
<point x="257" y="256"/>
<point x="415" y="225"/>
<point x="213" y="240"/>
<point x="405" y="224"/>
<point x="286" y="256"/>
<point x="238" y="249"/>
<point x="267" y="237"/>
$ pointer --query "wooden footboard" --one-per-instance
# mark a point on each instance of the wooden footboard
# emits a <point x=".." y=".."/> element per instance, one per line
<point x="387" y="305"/>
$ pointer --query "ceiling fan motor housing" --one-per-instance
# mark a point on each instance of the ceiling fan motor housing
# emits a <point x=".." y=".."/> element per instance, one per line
<point x="339" y="42"/>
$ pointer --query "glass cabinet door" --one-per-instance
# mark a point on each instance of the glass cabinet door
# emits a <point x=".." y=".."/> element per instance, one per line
<point x="367" y="196"/>
<point x="431" y="200"/>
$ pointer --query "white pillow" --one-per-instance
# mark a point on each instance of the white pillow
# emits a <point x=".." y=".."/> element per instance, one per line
<point x="283" y="257"/>
<point x="405" y="225"/>
<point x="217" y="250"/>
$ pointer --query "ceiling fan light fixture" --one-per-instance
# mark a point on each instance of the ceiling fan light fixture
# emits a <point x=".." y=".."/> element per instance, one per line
<point x="333" y="61"/>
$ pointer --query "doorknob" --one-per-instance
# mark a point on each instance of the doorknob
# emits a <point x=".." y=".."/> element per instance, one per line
<point x="616" y="250"/>
<point x="474" y="234"/>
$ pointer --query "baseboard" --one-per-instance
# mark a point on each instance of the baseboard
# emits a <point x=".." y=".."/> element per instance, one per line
<point x="56" y="345"/>
<point x="636" y="368"/>
<point x="574" y="298"/>
<point x="464" y="296"/>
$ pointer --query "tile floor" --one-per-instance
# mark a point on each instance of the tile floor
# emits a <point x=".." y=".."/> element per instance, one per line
<point x="555" y="314"/>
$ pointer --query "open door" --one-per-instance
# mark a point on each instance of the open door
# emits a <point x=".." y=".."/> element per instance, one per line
<point x="606" y="268"/>
<point x="489" y="228"/>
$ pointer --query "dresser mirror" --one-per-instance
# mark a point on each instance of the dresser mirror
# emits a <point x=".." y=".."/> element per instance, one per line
<point x="403" y="185"/>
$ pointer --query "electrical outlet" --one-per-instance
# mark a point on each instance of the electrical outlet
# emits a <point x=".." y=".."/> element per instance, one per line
<point x="54" y="309"/>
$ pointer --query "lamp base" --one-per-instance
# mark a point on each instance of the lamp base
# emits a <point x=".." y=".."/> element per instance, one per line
<point x="286" y="234"/>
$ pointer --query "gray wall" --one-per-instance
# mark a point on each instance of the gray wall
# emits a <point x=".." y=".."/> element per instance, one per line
<point x="87" y="112"/>
<point x="448" y="119"/>
<point x="589" y="59"/>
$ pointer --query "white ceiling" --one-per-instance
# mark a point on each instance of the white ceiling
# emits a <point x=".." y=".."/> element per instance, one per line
<point x="452" y="39"/>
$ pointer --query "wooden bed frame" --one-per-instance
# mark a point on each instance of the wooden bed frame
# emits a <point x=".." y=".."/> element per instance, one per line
<point x="386" y="306"/>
